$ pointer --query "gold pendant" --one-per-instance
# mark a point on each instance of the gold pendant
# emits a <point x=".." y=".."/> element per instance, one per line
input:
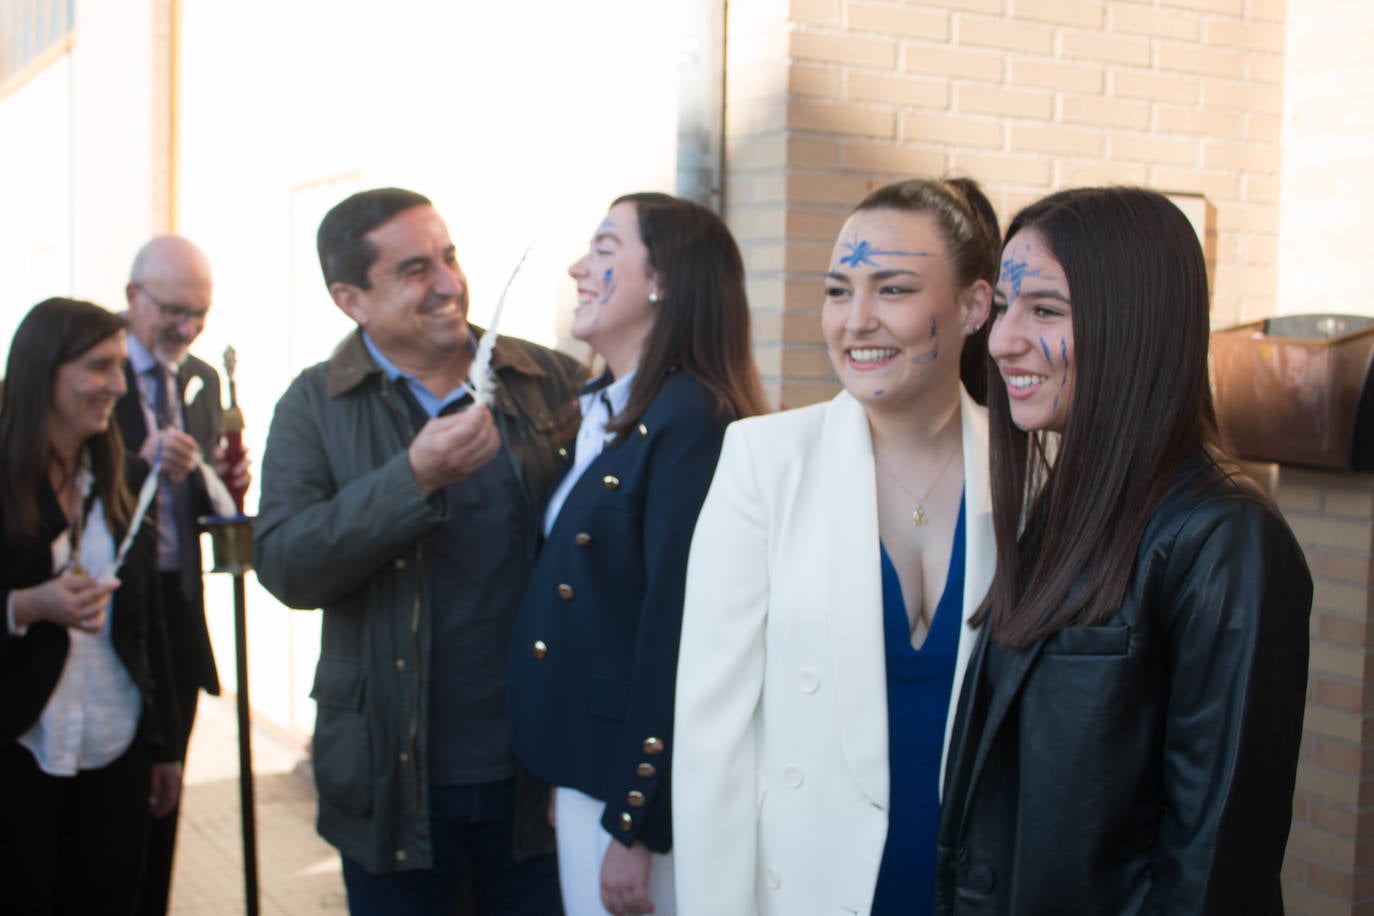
<point x="919" y="516"/>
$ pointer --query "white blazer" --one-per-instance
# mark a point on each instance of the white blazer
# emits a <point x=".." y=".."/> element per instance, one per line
<point x="780" y="765"/>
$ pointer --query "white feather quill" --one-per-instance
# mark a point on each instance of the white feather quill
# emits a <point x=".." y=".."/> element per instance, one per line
<point x="480" y="380"/>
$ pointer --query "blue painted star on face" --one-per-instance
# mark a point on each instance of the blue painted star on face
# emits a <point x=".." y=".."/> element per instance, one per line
<point x="1015" y="272"/>
<point x="862" y="253"/>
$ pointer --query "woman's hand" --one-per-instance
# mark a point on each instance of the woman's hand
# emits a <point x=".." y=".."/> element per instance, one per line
<point x="164" y="789"/>
<point x="625" y="879"/>
<point x="68" y="600"/>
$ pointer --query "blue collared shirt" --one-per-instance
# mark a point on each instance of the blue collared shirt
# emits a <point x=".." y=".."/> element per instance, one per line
<point x="429" y="402"/>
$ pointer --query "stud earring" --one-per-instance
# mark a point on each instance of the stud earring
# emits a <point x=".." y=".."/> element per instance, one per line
<point x="653" y="297"/>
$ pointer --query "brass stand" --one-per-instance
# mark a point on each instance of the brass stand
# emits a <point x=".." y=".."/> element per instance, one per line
<point x="232" y="541"/>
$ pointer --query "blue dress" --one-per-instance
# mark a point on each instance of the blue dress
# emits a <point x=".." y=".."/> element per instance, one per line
<point x="919" y="683"/>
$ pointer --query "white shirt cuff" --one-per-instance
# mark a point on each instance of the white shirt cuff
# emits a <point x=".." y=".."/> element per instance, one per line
<point x="14" y="628"/>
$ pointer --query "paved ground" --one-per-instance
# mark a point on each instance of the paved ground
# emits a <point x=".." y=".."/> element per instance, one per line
<point x="297" y="871"/>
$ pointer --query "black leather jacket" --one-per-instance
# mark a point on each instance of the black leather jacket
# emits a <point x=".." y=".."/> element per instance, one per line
<point x="1146" y="765"/>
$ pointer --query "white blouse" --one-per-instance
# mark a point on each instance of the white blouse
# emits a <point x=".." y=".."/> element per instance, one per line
<point x="92" y="716"/>
<point x="598" y="407"/>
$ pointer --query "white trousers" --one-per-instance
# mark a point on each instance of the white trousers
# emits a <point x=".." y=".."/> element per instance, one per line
<point x="582" y="845"/>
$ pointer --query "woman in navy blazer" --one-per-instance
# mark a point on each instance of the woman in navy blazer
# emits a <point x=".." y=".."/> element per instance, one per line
<point x="661" y="300"/>
<point x="88" y="726"/>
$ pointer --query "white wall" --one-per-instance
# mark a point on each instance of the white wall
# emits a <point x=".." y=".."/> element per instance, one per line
<point x="521" y="121"/>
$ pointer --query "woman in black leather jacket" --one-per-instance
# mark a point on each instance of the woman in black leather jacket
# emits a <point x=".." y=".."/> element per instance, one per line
<point x="1127" y="737"/>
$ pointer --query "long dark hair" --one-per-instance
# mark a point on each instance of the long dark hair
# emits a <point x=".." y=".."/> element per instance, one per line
<point x="1141" y="402"/>
<point x="54" y="332"/>
<point x="968" y="224"/>
<point x="701" y="325"/>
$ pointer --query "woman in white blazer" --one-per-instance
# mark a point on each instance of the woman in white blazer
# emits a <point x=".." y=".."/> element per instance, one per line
<point x="841" y="549"/>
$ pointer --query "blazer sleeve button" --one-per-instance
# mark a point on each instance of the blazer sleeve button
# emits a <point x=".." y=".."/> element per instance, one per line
<point x="636" y="799"/>
<point x="981" y="879"/>
<point x="582" y="539"/>
<point x="653" y="746"/>
<point x="646" y="770"/>
<point x="565" y="591"/>
<point x="540" y="649"/>
<point x="611" y="482"/>
<point x="626" y="821"/>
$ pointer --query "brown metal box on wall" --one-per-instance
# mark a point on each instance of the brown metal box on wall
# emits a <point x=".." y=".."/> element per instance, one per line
<point x="1297" y="390"/>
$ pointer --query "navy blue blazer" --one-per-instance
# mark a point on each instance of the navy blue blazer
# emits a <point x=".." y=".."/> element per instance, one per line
<point x="594" y="654"/>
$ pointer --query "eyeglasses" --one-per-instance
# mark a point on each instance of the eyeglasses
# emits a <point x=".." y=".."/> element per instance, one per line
<point x="174" y="312"/>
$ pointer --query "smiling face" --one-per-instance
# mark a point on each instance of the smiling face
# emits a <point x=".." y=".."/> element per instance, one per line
<point x="84" y="393"/>
<point x="415" y="309"/>
<point x="169" y="297"/>
<point x="1032" y="336"/>
<point x="893" y="321"/>
<point x="614" y="282"/>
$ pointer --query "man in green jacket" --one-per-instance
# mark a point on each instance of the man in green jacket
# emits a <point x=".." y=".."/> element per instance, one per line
<point x="407" y="514"/>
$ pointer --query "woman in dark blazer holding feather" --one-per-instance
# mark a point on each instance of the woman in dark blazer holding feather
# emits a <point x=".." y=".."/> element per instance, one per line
<point x="661" y="300"/>
<point x="88" y="711"/>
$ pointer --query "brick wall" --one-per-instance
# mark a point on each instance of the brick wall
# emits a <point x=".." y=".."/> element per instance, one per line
<point x="1329" y="870"/>
<point x="827" y="99"/>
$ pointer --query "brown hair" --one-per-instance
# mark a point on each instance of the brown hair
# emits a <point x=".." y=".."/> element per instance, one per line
<point x="1141" y="402"/>
<point x="701" y="325"/>
<point x="54" y="332"/>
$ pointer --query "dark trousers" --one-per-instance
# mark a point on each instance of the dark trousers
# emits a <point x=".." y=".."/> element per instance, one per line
<point x="72" y="844"/>
<point x="162" y="832"/>
<point x="470" y="827"/>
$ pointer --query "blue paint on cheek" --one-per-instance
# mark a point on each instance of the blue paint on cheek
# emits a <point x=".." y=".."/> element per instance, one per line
<point x="1056" y="402"/>
<point x="607" y="286"/>
<point x="1046" y="349"/>
<point x="934" y="328"/>
<point x="929" y="356"/>
<point x="1064" y="352"/>
<point x="879" y="391"/>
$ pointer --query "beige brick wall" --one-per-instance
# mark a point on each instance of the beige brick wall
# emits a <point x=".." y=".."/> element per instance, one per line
<point x="1024" y="95"/>
<point x="1329" y="869"/>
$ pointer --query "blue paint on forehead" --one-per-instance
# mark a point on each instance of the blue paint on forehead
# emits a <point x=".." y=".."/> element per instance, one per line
<point x="1015" y="272"/>
<point x="862" y="253"/>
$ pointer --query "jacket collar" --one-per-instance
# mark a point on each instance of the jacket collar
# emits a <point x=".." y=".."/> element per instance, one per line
<point x="351" y="364"/>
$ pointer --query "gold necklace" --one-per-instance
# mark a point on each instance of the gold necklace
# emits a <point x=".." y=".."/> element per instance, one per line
<point x="919" y="517"/>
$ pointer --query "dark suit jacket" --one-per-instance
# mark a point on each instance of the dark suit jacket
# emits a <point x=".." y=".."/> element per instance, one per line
<point x="594" y="710"/>
<point x="1145" y="765"/>
<point x="30" y="665"/>
<point x="190" y="638"/>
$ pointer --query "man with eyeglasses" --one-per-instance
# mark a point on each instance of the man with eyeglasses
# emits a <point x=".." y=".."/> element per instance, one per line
<point x="172" y="410"/>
